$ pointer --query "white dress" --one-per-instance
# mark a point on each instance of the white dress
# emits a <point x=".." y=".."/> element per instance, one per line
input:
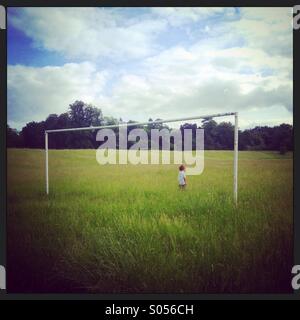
<point x="181" y="176"/>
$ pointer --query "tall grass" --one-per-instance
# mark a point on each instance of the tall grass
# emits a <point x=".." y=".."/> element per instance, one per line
<point x="125" y="228"/>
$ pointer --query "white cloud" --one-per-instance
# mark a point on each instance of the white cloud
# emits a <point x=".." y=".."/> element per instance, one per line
<point x="267" y="28"/>
<point x="87" y="33"/>
<point x="34" y="93"/>
<point x="175" y="83"/>
<point x="243" y="63"/>
<point x="216" y="95"/>
<point x="187" y="81"/>
<point x="184" y="15"/>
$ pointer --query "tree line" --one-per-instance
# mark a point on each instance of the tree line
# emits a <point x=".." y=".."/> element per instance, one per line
<point x="216" y="136"/>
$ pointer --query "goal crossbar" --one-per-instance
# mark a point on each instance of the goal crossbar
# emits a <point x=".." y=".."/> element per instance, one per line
<point x="131" y="124"/>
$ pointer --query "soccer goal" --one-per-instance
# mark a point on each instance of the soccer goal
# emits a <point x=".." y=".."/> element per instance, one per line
<point x="235" y="160"/>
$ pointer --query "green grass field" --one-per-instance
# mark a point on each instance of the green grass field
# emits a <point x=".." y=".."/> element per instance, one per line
<point x="126" y="228"/>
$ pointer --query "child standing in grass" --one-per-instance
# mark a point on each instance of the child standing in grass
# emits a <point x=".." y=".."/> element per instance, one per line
<point x="182" y="177"/>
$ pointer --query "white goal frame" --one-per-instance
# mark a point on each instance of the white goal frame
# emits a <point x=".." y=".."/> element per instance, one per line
<point x="235" y="146"/>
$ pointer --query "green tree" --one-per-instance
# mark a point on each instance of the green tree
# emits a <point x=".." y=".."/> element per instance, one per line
<point x="13" y="138"/>
<point x="84" y="115"/>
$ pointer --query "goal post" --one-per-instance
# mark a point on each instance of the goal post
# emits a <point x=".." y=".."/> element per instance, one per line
<point x="235" y="144"/>
<point x="235" y="157"/>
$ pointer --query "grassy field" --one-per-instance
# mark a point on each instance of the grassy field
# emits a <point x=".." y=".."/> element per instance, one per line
<point x="129" y="229"/>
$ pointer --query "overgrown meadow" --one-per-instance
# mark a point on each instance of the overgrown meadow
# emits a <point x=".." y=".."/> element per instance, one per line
<point x="128" y="228"/>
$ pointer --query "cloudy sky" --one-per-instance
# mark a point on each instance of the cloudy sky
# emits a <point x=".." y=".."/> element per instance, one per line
<point x="137" y="63"/>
